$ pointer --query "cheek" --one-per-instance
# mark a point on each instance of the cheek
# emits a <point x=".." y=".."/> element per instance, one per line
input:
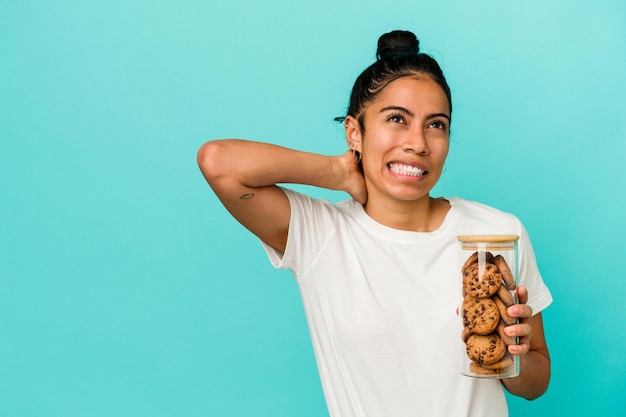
<point x="444" y="147"/>
<point x="440" y="150"/>
<point x="372" y="145"/>
<point x="445" y="152"/>
<point x="441" y="155"/>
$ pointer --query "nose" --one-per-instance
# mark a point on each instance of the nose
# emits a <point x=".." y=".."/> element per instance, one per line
<point x="416" y="143"/>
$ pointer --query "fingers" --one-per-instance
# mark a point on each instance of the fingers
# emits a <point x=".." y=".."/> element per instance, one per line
<point x="522" y="330"/>
<point x="350" y="177"/>
<point x="522" y="294"/>
<point x="522" y="310"/>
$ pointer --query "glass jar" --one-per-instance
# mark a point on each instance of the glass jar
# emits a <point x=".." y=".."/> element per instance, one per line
<point x="488" y="270"/>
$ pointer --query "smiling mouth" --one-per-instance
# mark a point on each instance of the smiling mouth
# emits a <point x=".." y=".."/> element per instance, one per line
<point x="409" y="170"/>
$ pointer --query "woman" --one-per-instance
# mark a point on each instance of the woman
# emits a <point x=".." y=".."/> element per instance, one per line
<point x="378" y="273"/>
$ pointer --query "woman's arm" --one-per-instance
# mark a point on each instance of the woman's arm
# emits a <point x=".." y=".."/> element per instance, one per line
<point x="244" y="174"/>
<point x="534" y="375"/>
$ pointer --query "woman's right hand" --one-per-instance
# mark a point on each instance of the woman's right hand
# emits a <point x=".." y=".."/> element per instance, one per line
<point x="352" y="175"/>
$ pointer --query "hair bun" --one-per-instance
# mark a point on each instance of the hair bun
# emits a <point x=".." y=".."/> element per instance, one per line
<point x="397" y="42"/>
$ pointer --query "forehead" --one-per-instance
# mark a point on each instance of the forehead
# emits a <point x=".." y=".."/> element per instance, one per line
<point x="415" y="92"/>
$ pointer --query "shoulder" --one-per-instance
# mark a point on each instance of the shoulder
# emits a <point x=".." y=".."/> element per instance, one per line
<point x="310" y="207"/>
<point x="474" y="214"/>
<point x="475" y="208"/>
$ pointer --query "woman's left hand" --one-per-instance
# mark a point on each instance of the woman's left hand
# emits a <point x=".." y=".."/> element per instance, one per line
<point x="523" y="330"/>
<point x="532" y="349"/>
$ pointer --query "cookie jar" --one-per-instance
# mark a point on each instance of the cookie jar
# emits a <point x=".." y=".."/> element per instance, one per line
<point x="488" y="271"/>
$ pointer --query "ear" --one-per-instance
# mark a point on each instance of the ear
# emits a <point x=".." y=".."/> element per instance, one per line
<point x="353" y="133"/>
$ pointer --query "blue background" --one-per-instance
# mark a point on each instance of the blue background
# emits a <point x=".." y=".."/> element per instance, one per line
<point x="127" y="290"/>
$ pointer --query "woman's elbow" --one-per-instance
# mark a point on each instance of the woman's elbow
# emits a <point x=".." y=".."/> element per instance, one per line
<point x="211" y="157"/>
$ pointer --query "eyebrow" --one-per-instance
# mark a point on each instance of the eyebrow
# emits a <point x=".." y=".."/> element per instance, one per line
<point x="409" y="113"/>
<point x="397" y="108"/>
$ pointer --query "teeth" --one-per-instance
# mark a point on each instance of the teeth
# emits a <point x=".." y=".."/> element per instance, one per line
<point x="406" y="170"/>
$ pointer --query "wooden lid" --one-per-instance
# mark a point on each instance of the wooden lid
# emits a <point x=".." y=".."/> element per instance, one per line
<point x="487" y="238"/>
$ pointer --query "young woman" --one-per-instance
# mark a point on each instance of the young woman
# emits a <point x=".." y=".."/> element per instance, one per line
<point x="378" y="272"/>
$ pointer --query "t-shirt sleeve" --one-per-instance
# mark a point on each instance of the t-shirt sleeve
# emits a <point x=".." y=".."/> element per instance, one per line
<point x="310" y="224"/>
<point x="539" y="296"/>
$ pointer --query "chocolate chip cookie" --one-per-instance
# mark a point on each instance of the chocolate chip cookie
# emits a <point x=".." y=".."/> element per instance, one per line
<point x="507" y="275"/>
<point x="481" y="279"/>
<point x="493" y="369"/>
<point x="485" y="349"/>
<point x="480" y="315"/>
<point x="502" y="307"/>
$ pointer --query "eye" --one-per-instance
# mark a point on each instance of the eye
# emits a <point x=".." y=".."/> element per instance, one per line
<point x="395" y="118"/>
<point x="439" y="124"/>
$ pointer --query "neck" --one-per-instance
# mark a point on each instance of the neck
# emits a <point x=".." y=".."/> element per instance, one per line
<point x="424" y="215"/>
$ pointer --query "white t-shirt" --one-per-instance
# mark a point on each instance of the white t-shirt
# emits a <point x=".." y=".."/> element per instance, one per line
<point x="381" y="307"/>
